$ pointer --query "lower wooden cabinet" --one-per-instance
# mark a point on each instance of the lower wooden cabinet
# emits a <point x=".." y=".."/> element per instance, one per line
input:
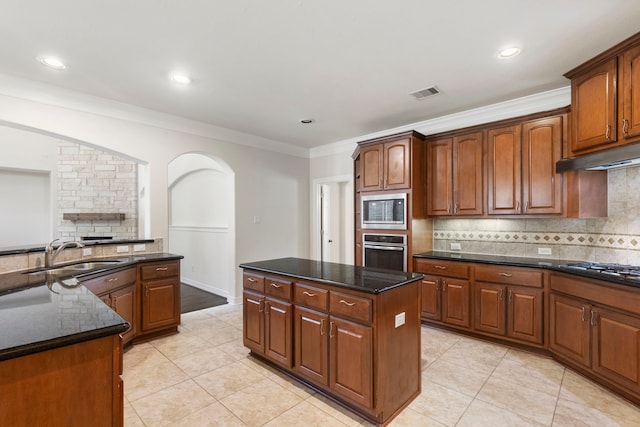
<point x="160" y="285"/>
<point x="569" y="329"/>
<point x="343" y="342"/>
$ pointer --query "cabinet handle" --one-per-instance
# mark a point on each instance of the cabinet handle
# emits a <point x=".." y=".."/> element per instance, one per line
<point x="441" y="267"/>
<point x="161" y="269"/>
<point x="113" y="279"/>
<point x="448" y="208"/>
<point x="321" y="326"/>
<point x="625" y="127"/>
<point x="583" y="310"/>
<point x="146" y="291"/>
<point x="114" y="301"/>
<point x="350" y="304"/>
<point x="455" y="208"/>
<point x="593" y="318"/>
<point x="608" y="132"/>
<point x="275" y="285"/>
<point x="251" y="279"/>
<point x="501" y="294"/>
<point x="510" y="296"/>
<point x="443" y="286"/>
<point x="518" y="206"/>
<point x="526" y="206"/>
<point x="309" y="294"/>
<point x="261" y="307"/>
<point x="331" y="330"/>
<point x="266" y="308"/>
<point x="505" y="274"/>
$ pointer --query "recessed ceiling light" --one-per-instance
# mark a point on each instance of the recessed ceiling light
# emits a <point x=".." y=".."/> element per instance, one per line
<point x="180" y="78"/>
<point x="306" y="121"/>
<point x="52" y="62"/>
<point x="509" y="52"/>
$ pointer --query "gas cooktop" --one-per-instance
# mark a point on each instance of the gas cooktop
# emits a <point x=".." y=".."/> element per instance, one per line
<point x="622" y="271"/>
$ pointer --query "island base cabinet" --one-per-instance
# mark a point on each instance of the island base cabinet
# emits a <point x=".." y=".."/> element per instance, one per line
<point x="72" y="386"/>
<point x="278" y="332"/>
<point x="351" y="349"/>
<point x="253" y="321"/>
<point x="312" y="345"/>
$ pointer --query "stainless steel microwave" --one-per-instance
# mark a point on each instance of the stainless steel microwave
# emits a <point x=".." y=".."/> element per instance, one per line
<point x="384" y="211"/>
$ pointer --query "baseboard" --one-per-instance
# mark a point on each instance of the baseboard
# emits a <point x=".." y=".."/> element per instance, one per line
<point x="213" y="289"/>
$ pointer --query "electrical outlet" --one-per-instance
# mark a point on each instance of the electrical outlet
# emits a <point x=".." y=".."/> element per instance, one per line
<point x="87" y="251"/>
<point x="400" y="319"/>
<point x="456" y="247"/>
<point x="122" y="249"/>
<point x="139" y="248"/>
<point x="544" y="251"/>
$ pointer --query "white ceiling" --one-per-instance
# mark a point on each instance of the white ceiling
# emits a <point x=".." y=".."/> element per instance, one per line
<point x="260" y="66"/>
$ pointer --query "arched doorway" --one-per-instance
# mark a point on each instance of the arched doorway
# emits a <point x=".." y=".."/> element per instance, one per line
<point x="202" y="221"/>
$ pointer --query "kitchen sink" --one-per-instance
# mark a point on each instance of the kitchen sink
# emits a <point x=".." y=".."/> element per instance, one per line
<point x="75" y="268"/>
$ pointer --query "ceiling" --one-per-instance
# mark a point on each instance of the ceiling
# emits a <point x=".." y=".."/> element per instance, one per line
<point x="261" y="66"/>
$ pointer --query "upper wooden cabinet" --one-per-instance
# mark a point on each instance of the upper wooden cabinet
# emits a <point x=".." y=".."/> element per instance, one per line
<point x="605" y="99"/>
<point x="388" y="163"/>
<point x="521" y="168"/>
<point x="454" y="175"/>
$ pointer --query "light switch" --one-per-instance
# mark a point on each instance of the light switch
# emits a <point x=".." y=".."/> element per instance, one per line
<point x="400" y="319"/>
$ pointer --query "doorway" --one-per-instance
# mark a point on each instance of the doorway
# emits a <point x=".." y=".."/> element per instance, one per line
<point x="332" y="235"/>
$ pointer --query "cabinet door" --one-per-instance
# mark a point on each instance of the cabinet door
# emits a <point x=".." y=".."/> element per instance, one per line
<point x="311" y="344"/>
<point x="525" y="314"/>
<point x="616" y="347"/>
<point x="396" y="160"/>
<point x="490" y="307"/>
<point x="593" y="102"/>
<point x="278" y="346"/>
<point x="455" y="302"/>
<point x="440" y="177"/>
<point x="467" y="174"/>
<point x="351" y="371"/>
<point x="160" y="304"/>
<point x="253" y="321"/>
<point x="569" y="332"/>
<point x="431" y="299"/>
<point x="123" y="302"/>
<point x="541" y="149"/>
<point x="504" y="170"/>
<point x="630" y="125"/>
<point x="371" y="162"/>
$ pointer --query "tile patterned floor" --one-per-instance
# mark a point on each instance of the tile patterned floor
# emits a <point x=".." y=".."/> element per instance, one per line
<point x="204" y="377"/>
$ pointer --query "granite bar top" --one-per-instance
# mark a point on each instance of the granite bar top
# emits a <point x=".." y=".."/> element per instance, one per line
<point x="40" y="311"/>
<point x="364" y="279"/>
<point x="560" y="265"/>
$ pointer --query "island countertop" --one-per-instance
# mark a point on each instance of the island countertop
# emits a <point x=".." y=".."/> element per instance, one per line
<point x="39" y="312"/>
<point x="365" y="279"/>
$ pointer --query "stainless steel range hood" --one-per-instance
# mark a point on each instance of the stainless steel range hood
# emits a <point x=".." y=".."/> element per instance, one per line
<point x="625" y="155"/>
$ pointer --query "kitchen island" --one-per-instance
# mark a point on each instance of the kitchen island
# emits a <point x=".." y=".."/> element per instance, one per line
<point x="350" y="333"/>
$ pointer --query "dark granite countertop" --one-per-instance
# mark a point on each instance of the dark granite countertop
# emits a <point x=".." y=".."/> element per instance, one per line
<point x="41" y="311"/>
<point x="550" y="264"/>
<point x="370" y="280"/>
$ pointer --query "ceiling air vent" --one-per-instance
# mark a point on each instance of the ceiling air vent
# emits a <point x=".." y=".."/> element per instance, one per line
<point x="424" y="93"/>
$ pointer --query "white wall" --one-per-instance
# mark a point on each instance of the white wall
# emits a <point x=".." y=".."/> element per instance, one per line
<point x="269" y="185"/>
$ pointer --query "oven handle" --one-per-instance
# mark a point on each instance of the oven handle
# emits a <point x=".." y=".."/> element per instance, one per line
<point x="386" y="248"/>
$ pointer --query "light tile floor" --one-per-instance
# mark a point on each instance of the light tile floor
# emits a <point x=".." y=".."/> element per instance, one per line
<point x="203" y="376"/>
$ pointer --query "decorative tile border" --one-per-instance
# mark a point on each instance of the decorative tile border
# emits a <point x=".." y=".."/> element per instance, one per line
<point x="627" y="242"/>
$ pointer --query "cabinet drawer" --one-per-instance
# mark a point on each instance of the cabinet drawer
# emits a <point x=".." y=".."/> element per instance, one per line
<point x="350" y="306"/>
<point x="442" y="268"/>
<point x="253" y="281"/>
<point x="509" y="275"/>
<point x="278" y="287"/>
<point x="159" y="270"/>
<point x="109" y="282"/>
<point x="311" y="297"/>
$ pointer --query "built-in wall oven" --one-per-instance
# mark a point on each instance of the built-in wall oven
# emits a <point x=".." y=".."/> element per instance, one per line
<point x="385" y="251"/>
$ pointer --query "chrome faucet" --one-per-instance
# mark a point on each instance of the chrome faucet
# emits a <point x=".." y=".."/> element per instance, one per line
<point x="50" y="255"/>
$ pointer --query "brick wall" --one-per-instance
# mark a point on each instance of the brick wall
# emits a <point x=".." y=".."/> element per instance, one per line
<point x="93" y="181"/>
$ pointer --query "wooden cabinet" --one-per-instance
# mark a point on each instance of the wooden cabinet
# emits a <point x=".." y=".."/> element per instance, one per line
<point x="509" y="302"/>
<point x="596" y="326"/>
<point x="605" y="99"/>
<point x="119" y="291"/>
<point x="385" y="166"/>
<point x="445" y="291"/>
<point x="74" y="385"/>
<point x="455" y="175"/>
<point x="521" y="168"/>
<point x="343" y="342"/>
<point x="160" y="287"/>
<point x="268" y="317"/>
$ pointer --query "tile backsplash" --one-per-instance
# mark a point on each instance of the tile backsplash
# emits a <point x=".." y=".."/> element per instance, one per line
<point x="615" y="238"/>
